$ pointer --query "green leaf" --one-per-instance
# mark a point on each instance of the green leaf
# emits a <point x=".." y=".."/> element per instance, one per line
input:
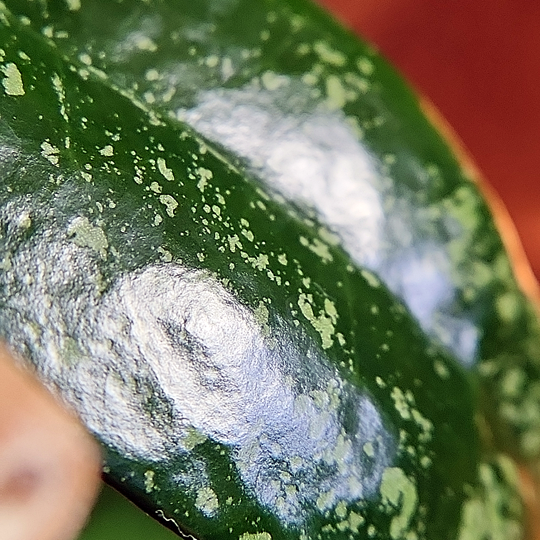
<point x="234" y="244"/>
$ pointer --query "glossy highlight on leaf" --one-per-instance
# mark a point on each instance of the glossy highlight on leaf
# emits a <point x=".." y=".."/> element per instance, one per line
<point x="235" y="246"/>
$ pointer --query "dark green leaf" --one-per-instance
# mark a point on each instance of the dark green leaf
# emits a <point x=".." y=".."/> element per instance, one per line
<point x="234" y="244"/>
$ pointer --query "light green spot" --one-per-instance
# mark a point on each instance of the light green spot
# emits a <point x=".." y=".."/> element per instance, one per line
<point x="162" y="168"/>
<point x="255" y="536"/>
<point x="212" y="61"/>
<point x="355" y="521"/>
<point x="144" y="43"/>
<point x="368" y="449"/>
<point x="329" y="55"/>
<point x="400" y="403"/>
<point x="271" y="81"/>
<point x="107" y="151"/>
<point x="371" y="279"/>
<point x="12" y="82"/>
<point x="260" y="262"/>
<point x="149" y="481"/>
<point x="335" y="92"/>
<point x="192" y="438"/>
<point x="324" y="500"/>
<point x="282" y="259"/>
<point x="365" y="66"/>
<point x="155" y="187"/>
<point x="322" y="324"/>
<point x="73" y="5"/>
<point x="204" y="176"/>
<point x="398" y="493"/>
<point x="341" y="509"/>
<point x="508" y="306"/>
<point x="248" y="235"/>
<point x="50" y="152"/>
<point x="166" y="256"/>
<point x="261" y="316"/>
<point x="60" y="92"/>
<point x="207" y="501"/>
<point x="170" y="204"/>
<point x="83" y="234"/>
<point x="440" y="369"/>
<point x="318" y="247"/>
<point x="234" y="242"/>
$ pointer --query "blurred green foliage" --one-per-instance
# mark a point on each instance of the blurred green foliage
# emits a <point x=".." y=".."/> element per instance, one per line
<point x="115" y="518"/>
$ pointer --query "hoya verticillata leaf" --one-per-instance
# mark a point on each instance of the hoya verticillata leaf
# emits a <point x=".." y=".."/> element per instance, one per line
<point x="235" y="246"/>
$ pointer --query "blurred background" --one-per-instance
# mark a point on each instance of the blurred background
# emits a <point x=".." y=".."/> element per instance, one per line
<point x="479" y="63"/>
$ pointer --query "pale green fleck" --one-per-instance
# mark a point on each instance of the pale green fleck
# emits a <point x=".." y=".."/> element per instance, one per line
<point x="86" y="59"/>
<point x="86" y="176"/>
<point x="512" y="382"/>
<point x="204" y="176"/>
<point x="84" y="234"/>
<point x="318" y="247"/>
<point x="425" y="462"/>
<point x="144" y="43"/>
<point x="212" y="61"/>
<point x="260" y="262"/>
<point x="216" y="209"/>
<point x="60" y="92"/>
<point x="170" y="204"/>
<point x="261" y="316"/>
<point x="255" y="536"/>
<point x="330" y="309"/>
<point x="398" y="493"/>
<point x="166" y="256"/>
<point x="73" y="5"/>
<point x="107" y="150"/>
<point x="12" y="82"/>
<point x="310" y="79"/>
<point x="371" y="279"/>
<point x="371" y="531"/>
<point x="508" y="306"/>
<point x="341" y="509"/>
<point x="162" y="168"/>
<point x="282" y="259"/>
<point x="271" y="81"/>
<point x="424" y="424"/>
<point x="155" y="187"/>
<point x="329" y="55"/>
<point x="157" y="220"/>
<point x="328" y="237"/>
<point x="324" y="500"/>
<point x="368" y="449"/>
<point x="335" y="92"/>
<point x="441" y="369"/>
<point x="234" y="243"/>
<point x="207" y="501"/>
<point x="322" y="324"/>
<point x="192" y="438"/>
<point x="248" y="235"/>
<point x="50" y="152"/>
<point x="365" y="65"/>
<point x="380" y="382"/>
<point x="149" y="481"/>
<point x="400" y="403"/>
<point x="355" y="521"/>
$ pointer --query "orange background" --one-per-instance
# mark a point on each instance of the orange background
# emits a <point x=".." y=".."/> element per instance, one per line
<point x="479" y="62"/>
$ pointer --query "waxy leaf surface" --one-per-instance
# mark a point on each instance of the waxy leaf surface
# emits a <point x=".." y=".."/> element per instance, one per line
<point x="234" y="244"/>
